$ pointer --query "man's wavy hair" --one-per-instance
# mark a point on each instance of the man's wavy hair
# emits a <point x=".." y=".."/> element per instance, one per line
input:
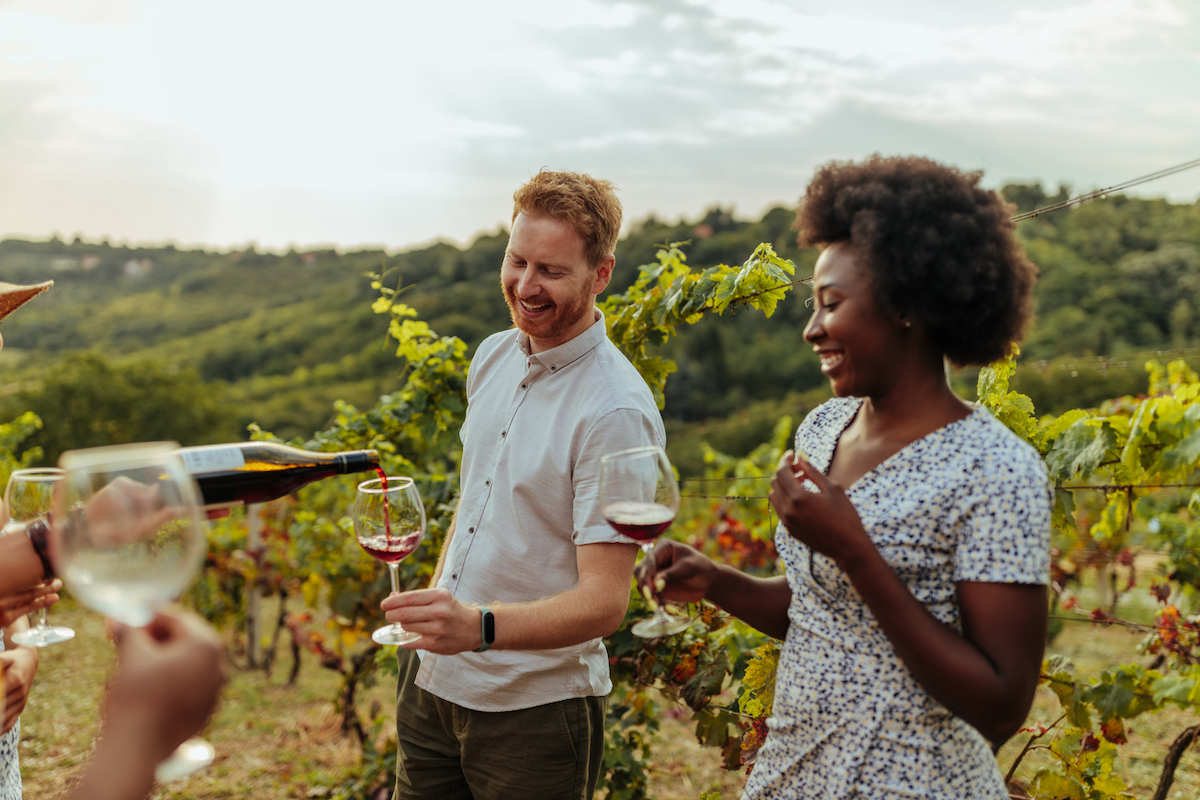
<point x="940" y="250"/>
<point x="588" y="205"/>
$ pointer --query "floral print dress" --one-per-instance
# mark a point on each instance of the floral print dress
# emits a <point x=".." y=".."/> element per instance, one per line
<point x="968" y="502"/>
<point x="10" y="767"/>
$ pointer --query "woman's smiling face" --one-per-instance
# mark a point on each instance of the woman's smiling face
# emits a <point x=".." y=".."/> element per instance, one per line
<point x="857" y="341"/>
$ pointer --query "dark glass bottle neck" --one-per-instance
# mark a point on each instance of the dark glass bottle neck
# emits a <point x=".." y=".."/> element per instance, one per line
<point x="357" y="461"/>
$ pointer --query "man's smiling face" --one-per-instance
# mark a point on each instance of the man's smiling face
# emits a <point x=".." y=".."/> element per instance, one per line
<point x="548" y="284"/>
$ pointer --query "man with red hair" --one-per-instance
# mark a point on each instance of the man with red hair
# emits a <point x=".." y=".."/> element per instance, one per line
<point x="506" y="698"/>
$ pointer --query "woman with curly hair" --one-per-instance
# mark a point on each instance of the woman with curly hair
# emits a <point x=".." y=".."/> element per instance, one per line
<point x="914" y="527"/>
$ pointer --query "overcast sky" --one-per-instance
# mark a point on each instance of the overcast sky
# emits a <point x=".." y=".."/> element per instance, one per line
<point x="393" y="122"/>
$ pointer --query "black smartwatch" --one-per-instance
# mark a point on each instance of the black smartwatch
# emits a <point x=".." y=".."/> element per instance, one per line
<point x="487" y="629"/>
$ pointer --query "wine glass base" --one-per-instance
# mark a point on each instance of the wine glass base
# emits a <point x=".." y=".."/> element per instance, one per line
<point x="393" y="634"/>
<point x="664" y="625"/>
<point x="192" y="755"/>
<point x="43" y="637"/>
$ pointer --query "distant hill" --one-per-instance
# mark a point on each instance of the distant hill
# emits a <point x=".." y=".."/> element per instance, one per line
<point x="277" y="338"/>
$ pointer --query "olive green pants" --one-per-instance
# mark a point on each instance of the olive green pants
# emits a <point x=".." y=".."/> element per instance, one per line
<point x="447" y="752"/>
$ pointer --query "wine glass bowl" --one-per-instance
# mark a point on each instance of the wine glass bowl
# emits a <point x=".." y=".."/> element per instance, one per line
<point x="130" y="537"/>
<point x="639" y="498"/>
<point x="29" y="496"/>
<point x="389" y="524"/>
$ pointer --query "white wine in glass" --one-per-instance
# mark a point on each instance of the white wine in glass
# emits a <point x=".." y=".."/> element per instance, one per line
<point x="28" y="496"/>
<point x="130" y="538"/>
<point x="389" y="523"/>
<point x="639" y="498"/>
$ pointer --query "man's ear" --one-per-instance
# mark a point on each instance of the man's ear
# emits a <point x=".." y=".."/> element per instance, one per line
<point x="604" y="274"/>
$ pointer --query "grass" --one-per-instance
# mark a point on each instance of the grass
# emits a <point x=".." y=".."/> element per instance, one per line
<point x="279" y="741"/>
<point x="272" y="740"/>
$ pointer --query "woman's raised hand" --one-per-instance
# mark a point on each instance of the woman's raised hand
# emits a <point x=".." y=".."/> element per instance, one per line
<point x="673" y="571"/>
<point x="825" y="520"/>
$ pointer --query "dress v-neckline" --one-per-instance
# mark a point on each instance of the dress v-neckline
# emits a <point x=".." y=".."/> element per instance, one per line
<point x="975" y="408"/>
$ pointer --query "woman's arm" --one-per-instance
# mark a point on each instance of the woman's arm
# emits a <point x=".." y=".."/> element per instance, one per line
<point x="988" y="674"/>
<point x="674" y="571"/>
<point x="20" y="668"/>
<point x="20" y="567"/>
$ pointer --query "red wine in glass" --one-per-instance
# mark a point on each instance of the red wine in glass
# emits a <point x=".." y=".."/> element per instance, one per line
<point x="387" y="517"/>
<point x="639" y="498"/>
<point x="640" y="521"/>
<point x="389" y="523"/>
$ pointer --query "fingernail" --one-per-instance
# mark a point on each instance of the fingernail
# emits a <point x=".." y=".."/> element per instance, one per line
<point x="660" y="584"/>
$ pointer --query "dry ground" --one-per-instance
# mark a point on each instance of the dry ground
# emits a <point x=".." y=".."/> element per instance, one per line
<point x="276" y="741"/>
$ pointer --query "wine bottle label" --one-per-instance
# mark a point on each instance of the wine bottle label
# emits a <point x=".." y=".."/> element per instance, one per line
<point x="212" y="458"/>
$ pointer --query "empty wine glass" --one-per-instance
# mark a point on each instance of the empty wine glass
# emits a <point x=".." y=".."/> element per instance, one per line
<point x="389" y="523"/>
<point x="28" y="496"/>
<point x="129" y="538"/>
<point x="640" y="498"/>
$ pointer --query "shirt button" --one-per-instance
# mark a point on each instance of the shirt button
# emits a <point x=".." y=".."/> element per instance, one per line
<point x="454" y="577"/>
<point x="470" y="530"/>
<point x="503" y="434"/>
<point x="488" y="482"/>
<point x="523" y="386"/>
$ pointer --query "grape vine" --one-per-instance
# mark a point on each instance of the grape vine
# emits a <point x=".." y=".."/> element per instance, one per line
<point x="1122" y="476"/>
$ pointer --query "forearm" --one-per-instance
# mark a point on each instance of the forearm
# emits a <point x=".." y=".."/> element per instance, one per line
<point x="20" y="567"/>
<point x="120" y="770"/>
<point x="575" y="616"/>
<point x="960" y="676"/>
<point x="761" y="603"/>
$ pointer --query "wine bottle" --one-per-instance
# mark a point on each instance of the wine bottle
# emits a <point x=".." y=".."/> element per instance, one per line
<point x="255" y="472"/>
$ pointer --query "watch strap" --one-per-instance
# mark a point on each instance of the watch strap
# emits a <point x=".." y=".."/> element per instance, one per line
<point x="487" y="630"/>
<point x="38" y="532"/>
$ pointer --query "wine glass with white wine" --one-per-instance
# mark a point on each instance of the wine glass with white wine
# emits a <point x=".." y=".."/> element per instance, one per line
<point x="28" y="497"/>
<point x="130" y="537"/>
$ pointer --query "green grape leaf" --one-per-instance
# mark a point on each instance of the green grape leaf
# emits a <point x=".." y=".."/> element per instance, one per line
<point x="1080" y="450"/>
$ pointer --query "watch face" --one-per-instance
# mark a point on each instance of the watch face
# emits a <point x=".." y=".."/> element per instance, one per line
<point x="489" y="628"/>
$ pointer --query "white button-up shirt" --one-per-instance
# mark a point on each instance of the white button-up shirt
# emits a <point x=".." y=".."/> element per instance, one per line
<point x="536" y="427"/>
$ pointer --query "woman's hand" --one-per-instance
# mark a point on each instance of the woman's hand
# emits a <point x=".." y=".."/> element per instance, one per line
<point x="824" y="520"/>
<point x="168" y="681"/>
<point x="673" y="571"/>
<point x="20" y="667"/>
<point x="16" y="606"/>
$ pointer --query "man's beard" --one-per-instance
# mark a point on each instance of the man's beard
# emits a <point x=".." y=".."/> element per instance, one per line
<point x="554" y="324"/>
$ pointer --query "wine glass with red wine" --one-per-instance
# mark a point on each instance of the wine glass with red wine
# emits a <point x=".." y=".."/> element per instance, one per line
<point x="639" y="498"/>
<point x="389" y="523"/>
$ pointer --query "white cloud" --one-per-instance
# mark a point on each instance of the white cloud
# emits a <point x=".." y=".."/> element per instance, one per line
<point x="396" y="122"/>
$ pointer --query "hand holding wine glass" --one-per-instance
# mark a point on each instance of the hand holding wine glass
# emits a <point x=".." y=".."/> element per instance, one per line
<point x="389" y="523"/>
<point x="639" y="498"/>
<point x="127" y="539"/>
<point x="28" y="496"/>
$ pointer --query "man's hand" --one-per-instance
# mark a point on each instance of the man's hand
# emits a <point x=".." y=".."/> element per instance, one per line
<point x="446" y="625"/>
<point x="16" y="606"/>
<point x="20" y="667"/>
<point x="169" y="676"/>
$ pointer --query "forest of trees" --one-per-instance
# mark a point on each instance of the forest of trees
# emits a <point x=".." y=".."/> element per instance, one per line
<point x="138" y="343"/>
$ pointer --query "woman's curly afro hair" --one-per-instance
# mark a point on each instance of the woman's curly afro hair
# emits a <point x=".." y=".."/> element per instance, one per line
<point x="939" y="248"/>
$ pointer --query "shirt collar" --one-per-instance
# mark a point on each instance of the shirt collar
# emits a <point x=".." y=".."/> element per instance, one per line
<point x="558" y="357"/>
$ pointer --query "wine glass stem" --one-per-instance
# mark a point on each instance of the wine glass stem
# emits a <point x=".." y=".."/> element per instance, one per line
<point x="394" y="572"/>
<point x="41" y="618"/>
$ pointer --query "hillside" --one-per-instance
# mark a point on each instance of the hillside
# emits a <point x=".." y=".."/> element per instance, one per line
<point x="277" y="338"/>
